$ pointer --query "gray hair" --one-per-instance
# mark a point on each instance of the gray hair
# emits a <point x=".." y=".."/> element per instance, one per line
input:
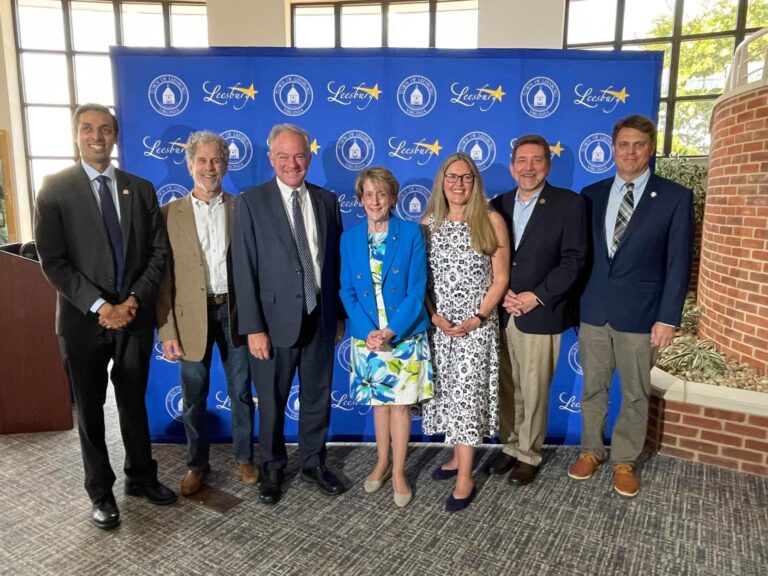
<point x="278" y="129"/>
<point x="206" y="137"/>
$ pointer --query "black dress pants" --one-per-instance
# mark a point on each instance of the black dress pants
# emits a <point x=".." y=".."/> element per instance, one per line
<point x="312" y="356"/>
<point x="87" y="362"/>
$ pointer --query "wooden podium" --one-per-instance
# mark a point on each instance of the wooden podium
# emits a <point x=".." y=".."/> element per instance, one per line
<point x="34" y="389"/>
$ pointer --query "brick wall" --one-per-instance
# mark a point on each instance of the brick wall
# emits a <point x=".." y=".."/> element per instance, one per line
<point x="733" y="278"/>
<point x="721" y="437"/>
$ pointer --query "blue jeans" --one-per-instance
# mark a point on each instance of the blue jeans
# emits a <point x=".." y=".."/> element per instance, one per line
<point x="195" y="384"/>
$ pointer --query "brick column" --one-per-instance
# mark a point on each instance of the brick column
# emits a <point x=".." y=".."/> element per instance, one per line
<point x="733" y="279"/>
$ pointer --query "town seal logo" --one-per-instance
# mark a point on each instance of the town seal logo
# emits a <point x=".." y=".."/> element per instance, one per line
<point x="540" y="97"/>
<point x="480" y="147"/>
<point x="168" y="95"/>
<point x="355" y="150"/>
<point x="416" y="96"/>
<point x="293" y="95"/>
<point x="596" y="153"/>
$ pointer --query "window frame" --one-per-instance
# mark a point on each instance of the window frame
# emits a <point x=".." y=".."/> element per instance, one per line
<point x="675" y="40"/>
<point x="385" y="4"/>
<point x="70" y="53"/>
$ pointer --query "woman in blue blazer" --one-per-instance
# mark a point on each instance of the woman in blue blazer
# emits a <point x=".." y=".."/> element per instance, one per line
<point x="383" y="284"/>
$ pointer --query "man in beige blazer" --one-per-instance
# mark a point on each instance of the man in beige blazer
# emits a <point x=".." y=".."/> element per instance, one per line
<point x="196" y="308"/>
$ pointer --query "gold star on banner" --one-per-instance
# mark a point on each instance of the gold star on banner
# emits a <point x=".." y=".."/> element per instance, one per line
<point x="372" y="92"/>
<point x="557" y="149"/>
<point x="434" y="147"/>
<point x="250" y="92"/>
<point x="314" y="147"/>
<point x="497" y="94"/>
<point x="620" y="96"/>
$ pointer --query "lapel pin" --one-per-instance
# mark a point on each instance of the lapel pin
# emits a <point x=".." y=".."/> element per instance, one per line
<point x="542" y="200"/>
<point x="126" y="192"/>
<point x="653" y="194"/>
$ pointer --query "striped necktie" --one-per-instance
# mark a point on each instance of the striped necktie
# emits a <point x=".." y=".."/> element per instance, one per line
<point x="112" y="224"/>
<point x="305" y="255"/>
<point x="622" y="218"/>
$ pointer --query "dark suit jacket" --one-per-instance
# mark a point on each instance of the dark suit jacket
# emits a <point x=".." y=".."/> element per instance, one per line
<point x="403" y="277"/>
<point x="647" y="279"/>
<point x="549" y="258"/>
<point x="182" y="304"/>
<point x="267" y="269"/>
<point x="76" y="255"/>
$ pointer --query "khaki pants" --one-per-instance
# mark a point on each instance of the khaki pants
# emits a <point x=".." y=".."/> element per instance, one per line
<point x="527" y="364"/>
<point x="603" y="349"/>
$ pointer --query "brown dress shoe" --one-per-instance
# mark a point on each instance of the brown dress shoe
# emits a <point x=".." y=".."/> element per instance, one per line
<point x="249" y="473"/>
<point x="522" y="474"/>
<point x="584" y="467"/>
<point x="625" y="480"/>
<point x="192" y="482"/>
<point x="502" y="464"/>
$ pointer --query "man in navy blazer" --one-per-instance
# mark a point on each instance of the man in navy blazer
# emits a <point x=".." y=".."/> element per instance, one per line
<point x="548" y="228"/>
<point x="642" y="233"/>
<point x="285" y="249"/>
<point x="102" y="245"/>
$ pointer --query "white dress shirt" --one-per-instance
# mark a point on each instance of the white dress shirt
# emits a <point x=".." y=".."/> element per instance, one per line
<point x="211" y="223"/>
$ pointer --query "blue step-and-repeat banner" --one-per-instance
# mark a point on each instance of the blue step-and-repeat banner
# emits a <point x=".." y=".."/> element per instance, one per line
<point x="403" y="109"/>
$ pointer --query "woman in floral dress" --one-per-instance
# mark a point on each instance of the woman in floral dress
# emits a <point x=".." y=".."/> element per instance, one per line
<point x="383" y="285"/>
<point x="468" y="262"/>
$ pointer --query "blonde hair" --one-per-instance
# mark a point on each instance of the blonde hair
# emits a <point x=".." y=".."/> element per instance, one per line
<point x="481" y="234"/>
<point x="381" y="177"/>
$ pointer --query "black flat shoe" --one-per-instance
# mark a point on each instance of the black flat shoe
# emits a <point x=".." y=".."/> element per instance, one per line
<point x="324" y="478"/>
<point x="440" y="474"/>
<point x="456" y="504"/>
<point x="105" y="514"/>
<point x="156" y="493"/>
<point x="270" y="489"/>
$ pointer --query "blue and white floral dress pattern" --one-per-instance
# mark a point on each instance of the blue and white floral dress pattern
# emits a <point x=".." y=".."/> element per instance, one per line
<point x="400" y="374"/>
<point x="466" y="368"/>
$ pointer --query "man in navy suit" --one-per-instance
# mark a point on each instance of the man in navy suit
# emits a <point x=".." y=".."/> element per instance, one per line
<point x="642" y="232"/>
<point x="548" y="227"/>
<point x="103" y="247"/>
<point x="285" y="248"/>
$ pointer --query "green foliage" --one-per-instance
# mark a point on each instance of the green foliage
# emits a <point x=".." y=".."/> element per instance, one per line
<point x="703" y="65"/>
<point x="689" y="174"/>
<point x="691" y="315"/>
<point x="692" y="359"/>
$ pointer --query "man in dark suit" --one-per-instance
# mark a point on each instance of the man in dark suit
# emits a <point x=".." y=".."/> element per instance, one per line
<point x="285" y="248"/>
<point x="642" y="232"/>
<point x="548" y="227"/>
<point x="196" y="309"/>
<point x="103" y="246"/>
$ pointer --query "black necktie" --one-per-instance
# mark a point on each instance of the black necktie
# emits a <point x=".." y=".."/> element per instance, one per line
<point x="305" y="255"/>
<point x="112" y="224"/>
<point x="622" y="218"/>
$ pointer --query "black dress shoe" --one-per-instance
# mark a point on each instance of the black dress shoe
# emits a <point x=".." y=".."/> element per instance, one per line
<point x="105" y="514"/>
<point x="155" y="493"/>
<point x="456" y="504"/>
<point x="522" y="474"/>
<point x="270" y="486"/>
<point x="324" y="478"/>
<point x="502" y="464"/>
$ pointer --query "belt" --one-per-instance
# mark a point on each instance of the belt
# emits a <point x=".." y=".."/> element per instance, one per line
<point x="217" y="299"/>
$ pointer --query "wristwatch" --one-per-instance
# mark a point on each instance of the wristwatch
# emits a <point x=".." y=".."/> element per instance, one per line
<point x="483" y="318"/>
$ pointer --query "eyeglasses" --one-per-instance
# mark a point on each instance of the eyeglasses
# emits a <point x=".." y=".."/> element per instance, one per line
<point x="467" y="178"/>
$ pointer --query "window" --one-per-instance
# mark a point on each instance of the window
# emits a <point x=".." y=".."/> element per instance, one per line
<point x="63" y="50"/>
<point x="389" y="23"/>
<point x="698" y="38"/>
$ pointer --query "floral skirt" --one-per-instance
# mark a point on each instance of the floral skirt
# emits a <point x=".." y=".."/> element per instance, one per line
<point x="401" y="374"/>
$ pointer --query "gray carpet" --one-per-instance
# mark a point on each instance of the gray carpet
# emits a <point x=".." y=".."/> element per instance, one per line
<point x="688" y="519"/>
